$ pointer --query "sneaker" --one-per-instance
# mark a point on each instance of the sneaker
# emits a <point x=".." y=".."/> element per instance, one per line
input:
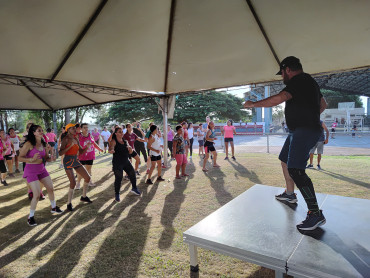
<point x="85" y="199"/>
<point x="91" y="184"/>
<point x="78" y="186"/>
<point x="137" y="173"/>
<point x="11" y="175"/>
<point x="135" y="191"/>
<point x="190" y="157"/>
<point x="30" y="195"/>
<point x="61" y="166"/>
<point x="17" y="171"/>
<point x="160" y="179"/>
<point x="117" y="198"/>
<point x="309" y="166"/>
<point x="31" y="221"/>
<point x="69" y="207"/>
<point x="233" y="157"/>
<point x="163" y="166"/>
<point x="127" y="178"/>
<point x="288" y="198"/>
<point x="56" y="210"/>
<point x="318" y="167"/>
<point x="147" y="171"/>
<point x="226" y="158"/>
<point x="312" y="221"/>
<point x="42" y="196"/>
<point x="4" y="183"/>
<point x="149" y="181"/>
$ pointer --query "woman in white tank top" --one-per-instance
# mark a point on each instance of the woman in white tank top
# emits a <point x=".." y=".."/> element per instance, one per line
<point x="154" y="146"/>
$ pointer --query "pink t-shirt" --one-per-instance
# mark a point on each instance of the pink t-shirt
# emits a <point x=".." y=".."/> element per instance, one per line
<point x="1" y="150"/>
<point x="334" y="125"/>
<point x="51" y="137"/>
<point x="131" y="138"/>
<point x="90" y="153"/>
<point x="229" y="131"/>
<point x="8" y="144"/>
<point x="95" y="135"/>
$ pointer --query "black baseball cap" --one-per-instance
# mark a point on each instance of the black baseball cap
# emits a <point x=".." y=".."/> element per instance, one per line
<point x="289" y="61"/>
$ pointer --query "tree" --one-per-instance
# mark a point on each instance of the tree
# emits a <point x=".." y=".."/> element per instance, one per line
<point x="193" y="108"/>
<point x="334" y="97"/>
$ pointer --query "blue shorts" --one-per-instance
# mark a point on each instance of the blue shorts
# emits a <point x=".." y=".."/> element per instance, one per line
<point x="297" y="146"/>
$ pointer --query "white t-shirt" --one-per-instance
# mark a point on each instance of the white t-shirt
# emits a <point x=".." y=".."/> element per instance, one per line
<point x="105" y="135"/>
<point x="191" y="133"/>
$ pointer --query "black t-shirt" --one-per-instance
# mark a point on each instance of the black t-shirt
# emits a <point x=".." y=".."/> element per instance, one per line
<point x="303" y="109"/>
<point x="121" y="154"/>
<point x="138" y="133"/>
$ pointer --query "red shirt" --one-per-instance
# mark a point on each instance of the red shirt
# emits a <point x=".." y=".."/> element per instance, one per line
<point x="131" y="138"/>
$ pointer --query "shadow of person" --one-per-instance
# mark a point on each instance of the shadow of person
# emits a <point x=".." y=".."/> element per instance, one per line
<point x="240" y="170"/>
<point x="347" y="179"/>
<point x="121" y="251"/>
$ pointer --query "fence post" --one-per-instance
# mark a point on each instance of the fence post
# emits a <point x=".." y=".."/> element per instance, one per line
<point x="268" y="143"/>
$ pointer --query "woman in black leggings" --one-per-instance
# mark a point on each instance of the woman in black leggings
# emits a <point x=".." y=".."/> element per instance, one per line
<point x="121" y="150"/>
<point x="191" y="138"/>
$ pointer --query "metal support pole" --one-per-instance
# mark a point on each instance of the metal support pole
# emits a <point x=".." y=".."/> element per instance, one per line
<point x="194" y="267"/>
<point x="55" y="130"/>
<point x="268" y="143"/>
<point x="165" y="123"/>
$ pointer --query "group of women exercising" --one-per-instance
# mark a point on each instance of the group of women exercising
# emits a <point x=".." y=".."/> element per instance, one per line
<point x="77" y="149"/>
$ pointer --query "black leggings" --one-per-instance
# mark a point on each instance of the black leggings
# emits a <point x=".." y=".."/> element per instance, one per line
<point x="118" y="174"/>
<point x="140" y="147"/>
<point x="170" y="145"/>
<point x="191" y="146"/>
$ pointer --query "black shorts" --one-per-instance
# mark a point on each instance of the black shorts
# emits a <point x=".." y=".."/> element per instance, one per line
<point x="97" y="141"/>
<point x="229" y="139"/>
<point x="8" y="157"/>
<point x="52" y="144"/>
<point x="106" y="144"/>
<point x="134" y="153"/>
<point x="17" y="153"/>
<point x="2" y="166"/>
<point x="148" y="152"/>
<point x="209" y="147"/>
<point x="155" y="157"/>
<point x="333" y="130"/>
<point x="87" y="162"/>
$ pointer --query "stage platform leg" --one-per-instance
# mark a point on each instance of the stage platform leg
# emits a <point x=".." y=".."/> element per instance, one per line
<point x="194" y="267"/>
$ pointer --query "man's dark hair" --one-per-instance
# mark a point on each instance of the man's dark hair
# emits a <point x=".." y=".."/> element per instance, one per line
<point x="82" y="125"/>
<point x="178" y="127"/>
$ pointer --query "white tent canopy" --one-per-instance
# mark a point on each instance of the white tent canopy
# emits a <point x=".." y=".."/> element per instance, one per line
<point x="65" y="53"/>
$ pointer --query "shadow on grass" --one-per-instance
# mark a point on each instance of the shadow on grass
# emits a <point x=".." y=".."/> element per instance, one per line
<point x="347" y="179"/>
<point x="121" y="252"/>
<point x="243" y="172"/>
<point x="216" y="177"/>
<point x="172" y="206"/>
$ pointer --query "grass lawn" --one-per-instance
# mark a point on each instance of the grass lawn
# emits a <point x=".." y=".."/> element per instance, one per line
<point x="142" y="236"/>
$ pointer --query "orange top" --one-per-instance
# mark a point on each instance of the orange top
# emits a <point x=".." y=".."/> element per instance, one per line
<point x="73" y="150"/>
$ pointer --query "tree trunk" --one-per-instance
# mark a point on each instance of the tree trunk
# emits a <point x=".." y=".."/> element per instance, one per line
<point x="6" y="121"/>
<point x="83" y="115"/>
<point x="77" y="115"/>
<point x="1" y="121"/>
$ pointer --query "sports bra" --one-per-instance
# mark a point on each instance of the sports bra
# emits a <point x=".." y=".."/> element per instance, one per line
<point x="32" y="152"/>
<point x="73" y="150"/>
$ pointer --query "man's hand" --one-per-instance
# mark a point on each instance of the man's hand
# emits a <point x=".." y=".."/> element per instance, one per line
<point x="249" y="104"/>
<point x="326" y="141"/>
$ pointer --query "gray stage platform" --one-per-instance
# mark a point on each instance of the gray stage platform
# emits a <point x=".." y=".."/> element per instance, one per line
<point x="255" y="227"/>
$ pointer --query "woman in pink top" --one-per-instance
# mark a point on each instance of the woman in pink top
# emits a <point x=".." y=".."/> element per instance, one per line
<point x="9" y="152"/>
<point x="87" y="158"/>
<point x="2" y="163"/>
<point x="228" y="131"/>
<point x="51" y="140"/>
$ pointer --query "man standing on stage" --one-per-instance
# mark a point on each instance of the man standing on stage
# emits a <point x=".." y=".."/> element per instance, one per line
<point x="304" y="104"/>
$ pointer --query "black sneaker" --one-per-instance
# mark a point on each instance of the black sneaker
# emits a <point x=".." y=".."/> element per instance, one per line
<point x="233" y="157"/>
<point x="56" y="210"/>
<point x="135" y="191"/>
<point x="85" y="199"/>
<point x="42" y="197"/>
<point x="137" y="173"/>
<point x="117" y="198"/>
<point x="4" y="183"/>
<point x="309" y="166"/>
<point x="69" y="207"/>
<point x="149" y="181"/>
<point x="319" y="167"/>
<point x="31" y="221"/>
<point x="160" y="179"/>
<point x="288" y="198"/>
<point x="11" y="175"/>
<point x="17" y="171"/>
<point x="226" y="158"/>
<point x="312" y="221"/>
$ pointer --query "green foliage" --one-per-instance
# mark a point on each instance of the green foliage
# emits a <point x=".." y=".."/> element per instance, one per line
<point x="193" y="108"/>
<point x="333" y="97"/>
